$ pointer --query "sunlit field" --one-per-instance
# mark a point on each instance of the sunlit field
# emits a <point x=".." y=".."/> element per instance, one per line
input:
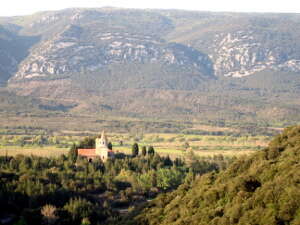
<point x="49" y="151"/>
<point x="174" y="145"/>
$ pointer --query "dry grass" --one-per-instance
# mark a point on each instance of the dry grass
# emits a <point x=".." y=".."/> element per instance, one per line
<point x="37" y="151"/>
<point x="212" y="128"/>
<point x="164" y="144"/>
<point x="173" y="153"/>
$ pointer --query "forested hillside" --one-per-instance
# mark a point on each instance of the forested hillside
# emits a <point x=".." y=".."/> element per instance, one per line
<point x="73" y="190"/>
<point x="260" y="189"/>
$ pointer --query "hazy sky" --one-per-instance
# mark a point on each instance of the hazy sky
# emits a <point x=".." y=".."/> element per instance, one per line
<point x="22" y="7"/>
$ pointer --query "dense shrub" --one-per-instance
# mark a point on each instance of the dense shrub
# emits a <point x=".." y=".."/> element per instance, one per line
<point x="260" y="189"/>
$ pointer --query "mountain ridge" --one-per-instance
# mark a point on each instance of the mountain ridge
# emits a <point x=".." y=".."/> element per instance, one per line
<point x="89" y="55"/>
<point x="249" y="31"/>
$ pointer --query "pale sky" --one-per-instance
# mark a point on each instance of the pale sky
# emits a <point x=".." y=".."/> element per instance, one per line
<point x="23" y="7"/>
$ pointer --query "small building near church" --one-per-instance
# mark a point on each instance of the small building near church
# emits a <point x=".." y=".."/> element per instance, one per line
<point x="101" y="151"/>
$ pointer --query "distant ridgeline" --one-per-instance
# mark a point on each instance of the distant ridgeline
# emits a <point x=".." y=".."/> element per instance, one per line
<point x="215" y="66"/>
<point x="260" y="189"/>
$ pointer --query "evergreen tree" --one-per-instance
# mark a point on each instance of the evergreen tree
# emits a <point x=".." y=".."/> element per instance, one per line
<point x="73" y="153"/>
<point x="109" y="145"/>
<point x="88" y="142"/>
<point x="79" y="208"/>
<point x="168" y="161"/>
<point x="135" y="149"/>
<point x="151" y="150"/>
<point x="144" y="150"/>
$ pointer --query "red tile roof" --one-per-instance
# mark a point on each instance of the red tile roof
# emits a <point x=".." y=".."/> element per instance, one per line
<point x="90" y="152"/>
<point x="87" y="152"/>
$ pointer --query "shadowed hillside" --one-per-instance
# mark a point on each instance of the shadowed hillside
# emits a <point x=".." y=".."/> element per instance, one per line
<point x="261" y="189"/>
<point x="14" y="48"/>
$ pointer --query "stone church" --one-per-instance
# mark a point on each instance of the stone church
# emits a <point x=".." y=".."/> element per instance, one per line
<point x="101" y="151"/>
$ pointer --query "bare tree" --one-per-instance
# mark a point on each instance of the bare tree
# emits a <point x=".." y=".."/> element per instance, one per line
<point x="48" y="212"/>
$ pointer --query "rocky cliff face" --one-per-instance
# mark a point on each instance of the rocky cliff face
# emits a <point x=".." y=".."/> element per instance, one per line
<point x="246" y="52"/>
<point x="78" y="41"/>
<point x="74" y="51"/>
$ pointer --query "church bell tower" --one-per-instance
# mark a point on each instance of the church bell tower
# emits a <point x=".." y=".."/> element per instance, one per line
<point x="101" y="146"/>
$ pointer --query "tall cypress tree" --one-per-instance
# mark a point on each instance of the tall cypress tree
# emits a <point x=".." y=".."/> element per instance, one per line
<point x="150" y="150"/>
<point x="73" y="153"/>
<point x="144" y="150"/>
<point x="135" y="149"/>
<point x="109" y="145"/>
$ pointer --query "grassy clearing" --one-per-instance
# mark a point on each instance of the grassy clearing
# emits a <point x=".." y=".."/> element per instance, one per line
<point x="53" y="151"/>
<point x="204" y="145"/>
<point x="173" y="153"/>
<point x="175" y="145"/>
<point x="37" y="151"/>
